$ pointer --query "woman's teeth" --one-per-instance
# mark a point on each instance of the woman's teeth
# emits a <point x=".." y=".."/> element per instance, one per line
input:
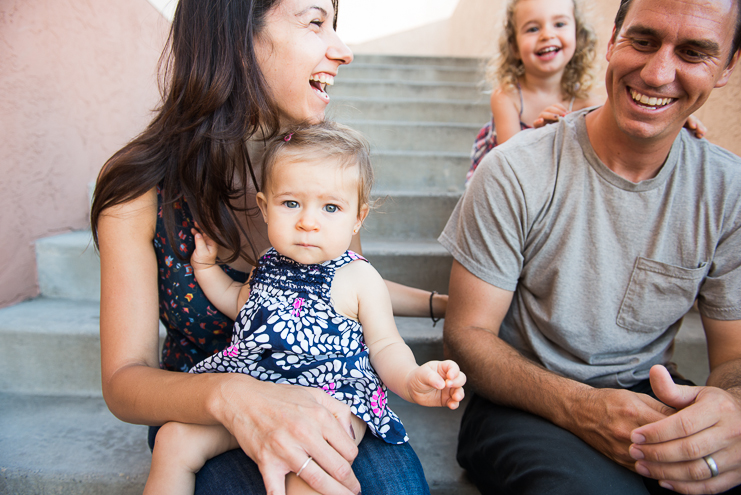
<point x="548" y="50"/>
<point x="650" y="101"/>
<point x="323" y="79"/>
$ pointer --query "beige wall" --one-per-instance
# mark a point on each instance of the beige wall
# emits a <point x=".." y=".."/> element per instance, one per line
<point x="472" y="31"/>
<point x="76" y="82"/>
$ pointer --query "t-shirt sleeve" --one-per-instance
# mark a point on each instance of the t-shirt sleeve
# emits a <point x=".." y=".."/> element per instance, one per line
<point x="720" y="294"/>
<point x="486" y="232"/>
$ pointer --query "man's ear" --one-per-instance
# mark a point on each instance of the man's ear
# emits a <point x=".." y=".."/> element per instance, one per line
<point x="728" y="70"/>
<point x="262" y="203"/>
<point x="611" y="43"/>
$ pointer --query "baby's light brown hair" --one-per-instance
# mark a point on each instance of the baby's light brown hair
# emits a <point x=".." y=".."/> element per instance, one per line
<point x="505" y="68"/>
<point x="317" y="142"/>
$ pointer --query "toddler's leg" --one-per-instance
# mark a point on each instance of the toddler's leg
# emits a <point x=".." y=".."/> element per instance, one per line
<point x="180" y="450"/>
<point x="297" y="486"/>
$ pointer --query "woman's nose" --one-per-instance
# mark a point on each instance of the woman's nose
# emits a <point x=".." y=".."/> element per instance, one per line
<point x="338" y="50"/>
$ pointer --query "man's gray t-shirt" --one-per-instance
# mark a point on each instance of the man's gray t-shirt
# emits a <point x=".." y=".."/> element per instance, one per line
<point x="603" y="269"/>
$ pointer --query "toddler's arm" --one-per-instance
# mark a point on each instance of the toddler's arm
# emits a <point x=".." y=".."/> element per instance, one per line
<point x="505" y="115"/>
<point x="434" y="384"/>
<point x="227" y="295"/>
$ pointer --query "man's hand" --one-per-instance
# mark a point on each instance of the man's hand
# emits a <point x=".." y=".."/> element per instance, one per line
<point x="606" y="417"/>
<point x="708" y="423"/>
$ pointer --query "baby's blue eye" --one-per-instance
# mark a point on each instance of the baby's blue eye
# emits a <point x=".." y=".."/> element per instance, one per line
<point x="291" y="204"/>
<point x="331" y="208"/>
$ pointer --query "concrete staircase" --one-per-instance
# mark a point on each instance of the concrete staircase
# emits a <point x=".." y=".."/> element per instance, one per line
<point x="421" y="115"/>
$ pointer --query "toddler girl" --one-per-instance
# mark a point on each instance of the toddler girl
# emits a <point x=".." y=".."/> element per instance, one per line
<point x="303" y="306"/>
<point x="544" y="70"/>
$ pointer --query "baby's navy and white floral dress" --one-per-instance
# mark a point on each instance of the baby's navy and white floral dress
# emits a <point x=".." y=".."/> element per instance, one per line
<point x="289" y="332"/>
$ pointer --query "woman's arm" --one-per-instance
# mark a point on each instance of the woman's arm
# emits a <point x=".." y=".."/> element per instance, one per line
<point x="278" y="426"/>
<point x="409" y="301"/>
<point x="505" y="115"/>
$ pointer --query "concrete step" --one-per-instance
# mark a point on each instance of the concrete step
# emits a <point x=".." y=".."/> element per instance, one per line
<point x="433" y="172"/>
<point x="407" y="109"/>
<point x="409" y="72"/>
<point x="409" y="215"/>
<point x="422" y="264"/>
<point x="68" y="266"/>
<point x="65" y="445"/>
<point x="73" y="277"/>
<point x="466" y="62"/>
<point x="382" y="88"/>
<point x="431" y="137"/>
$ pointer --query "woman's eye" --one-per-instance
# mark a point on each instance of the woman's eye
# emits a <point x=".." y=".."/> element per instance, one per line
<point x="291" y="204"/>
<point x="317" y="22"/>
<point x="331" y="208"/>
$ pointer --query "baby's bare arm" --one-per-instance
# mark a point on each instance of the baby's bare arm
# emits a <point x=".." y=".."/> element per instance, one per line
<point x="432" y="384"/>
<point x="220" y="289"/>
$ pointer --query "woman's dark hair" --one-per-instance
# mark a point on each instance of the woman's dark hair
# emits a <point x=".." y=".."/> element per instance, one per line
<point x="214" y="98"/>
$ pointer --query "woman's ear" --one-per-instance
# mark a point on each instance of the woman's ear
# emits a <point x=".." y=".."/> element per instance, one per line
<point x="262" y="203"/>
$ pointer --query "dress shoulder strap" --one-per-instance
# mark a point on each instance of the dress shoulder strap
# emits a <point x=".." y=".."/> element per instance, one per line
<point x="345" y="258"/>
<point x="571" y="104"/>
<point x="522" y="103"/>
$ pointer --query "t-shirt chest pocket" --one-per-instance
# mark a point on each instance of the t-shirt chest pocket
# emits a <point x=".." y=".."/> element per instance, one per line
<point x="658" y="295"/>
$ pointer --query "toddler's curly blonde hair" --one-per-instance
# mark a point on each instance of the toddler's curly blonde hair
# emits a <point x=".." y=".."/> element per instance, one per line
<point x="505" y="68"/>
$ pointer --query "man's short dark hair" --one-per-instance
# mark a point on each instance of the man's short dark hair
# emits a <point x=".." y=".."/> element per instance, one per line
<point x="625" y="5"/>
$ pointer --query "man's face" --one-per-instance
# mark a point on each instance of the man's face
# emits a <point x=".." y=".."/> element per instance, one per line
<point x="665" y="61"/>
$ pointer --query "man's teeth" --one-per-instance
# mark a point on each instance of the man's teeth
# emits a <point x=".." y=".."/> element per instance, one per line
<point x="651" y="101"/>
<point x="323" y="78"/>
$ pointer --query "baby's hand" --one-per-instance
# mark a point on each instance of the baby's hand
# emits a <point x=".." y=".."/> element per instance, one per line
<point x="550" y="115"/>
<point x="437" y="384"/>
<point x="204" y="256"/>
<point x="698" y="128"/>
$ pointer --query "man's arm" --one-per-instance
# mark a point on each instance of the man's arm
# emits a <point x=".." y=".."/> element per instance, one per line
<point x="604" y="418"/>
<point x="708" y="423"/>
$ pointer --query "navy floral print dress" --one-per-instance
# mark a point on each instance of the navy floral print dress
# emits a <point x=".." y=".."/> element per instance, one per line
<point x="195" y="328"/>
<point x="289" y="332"/>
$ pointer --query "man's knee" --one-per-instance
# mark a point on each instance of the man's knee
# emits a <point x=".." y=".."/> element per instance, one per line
<point x="508" y="451"/>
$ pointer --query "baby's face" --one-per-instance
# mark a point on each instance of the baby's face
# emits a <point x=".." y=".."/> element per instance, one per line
<point x="311" y="209"/>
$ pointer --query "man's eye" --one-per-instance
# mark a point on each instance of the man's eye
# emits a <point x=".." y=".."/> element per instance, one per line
<point x="291" y="204"/>
<point x="331" y="208"/>
<point x="694" y="55"/>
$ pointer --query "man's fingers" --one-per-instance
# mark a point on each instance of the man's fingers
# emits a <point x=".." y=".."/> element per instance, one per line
<point x="668" y="392"/>
<point x="682" y="449"/>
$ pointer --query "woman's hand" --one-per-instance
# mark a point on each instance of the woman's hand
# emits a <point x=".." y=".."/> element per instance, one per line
<point x="286" y="426"/>
<point x="437" y="384"/>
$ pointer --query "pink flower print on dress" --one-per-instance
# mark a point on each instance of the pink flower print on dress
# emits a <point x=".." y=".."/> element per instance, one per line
<point x="354" y="256"/>
<point x="378" y="401"/>
<point x="330" y="388"/>
<point x="297" y="305"/>
<point x="231" y="351"/>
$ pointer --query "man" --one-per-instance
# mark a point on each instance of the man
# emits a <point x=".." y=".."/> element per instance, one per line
<point x="578" y="248"/>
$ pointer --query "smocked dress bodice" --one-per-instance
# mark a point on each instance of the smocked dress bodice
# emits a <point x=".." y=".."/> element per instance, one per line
<point x="289" y="332"/>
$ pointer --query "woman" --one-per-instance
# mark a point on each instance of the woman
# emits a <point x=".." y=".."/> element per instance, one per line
<point x="236" y="72"/>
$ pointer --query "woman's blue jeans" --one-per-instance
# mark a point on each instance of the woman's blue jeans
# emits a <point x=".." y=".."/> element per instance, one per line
<point x="381" y="469"/>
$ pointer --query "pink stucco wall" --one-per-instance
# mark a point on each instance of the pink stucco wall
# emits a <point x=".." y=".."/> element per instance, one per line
<point x="77" y="80"/>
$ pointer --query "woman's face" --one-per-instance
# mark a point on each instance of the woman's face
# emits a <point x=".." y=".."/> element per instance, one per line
<point x="299" y="54"/>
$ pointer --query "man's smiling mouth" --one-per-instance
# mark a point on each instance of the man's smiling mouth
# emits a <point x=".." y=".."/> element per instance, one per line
<point x="649" y="101"/>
